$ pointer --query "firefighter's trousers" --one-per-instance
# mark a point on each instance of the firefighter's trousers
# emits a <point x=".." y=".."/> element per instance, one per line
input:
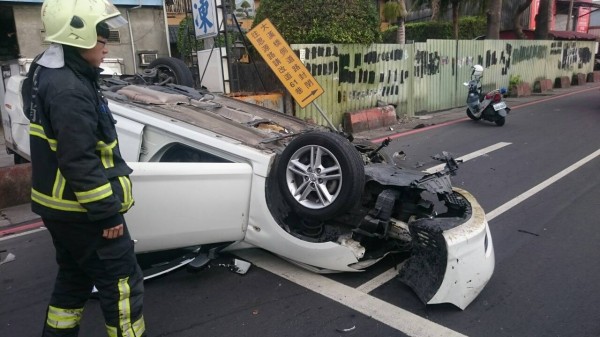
<point x="85" y="259"/>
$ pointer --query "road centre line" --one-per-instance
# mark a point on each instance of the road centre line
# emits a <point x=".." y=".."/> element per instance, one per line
<point x="395" y="317"/>
<point x="532" y="191"/>
<point x="391" y="273"/>
<point x="359" y="299"/>
<point x="470" y="156"/>
<point x="382" y="278"/>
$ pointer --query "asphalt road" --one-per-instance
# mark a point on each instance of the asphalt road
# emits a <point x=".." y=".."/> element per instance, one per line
<point x="545" y="281"/>
<point x="540" y="188"/>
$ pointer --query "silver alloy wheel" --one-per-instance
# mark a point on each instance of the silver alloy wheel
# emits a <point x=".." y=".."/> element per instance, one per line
<point x="314" y="176"/>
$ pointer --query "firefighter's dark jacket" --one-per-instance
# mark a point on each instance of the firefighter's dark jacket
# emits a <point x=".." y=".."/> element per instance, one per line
<point x="78" y="173"/>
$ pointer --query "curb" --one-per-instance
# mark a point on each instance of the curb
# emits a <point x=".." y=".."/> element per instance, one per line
<point x="368" y="119"/>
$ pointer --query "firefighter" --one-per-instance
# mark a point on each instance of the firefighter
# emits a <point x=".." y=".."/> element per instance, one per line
<point x="80" y="182"/>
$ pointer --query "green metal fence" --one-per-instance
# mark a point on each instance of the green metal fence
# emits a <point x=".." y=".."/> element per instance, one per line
<point x="425" y="77"/>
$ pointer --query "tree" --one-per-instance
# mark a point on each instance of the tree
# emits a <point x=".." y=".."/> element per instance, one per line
<point x="396" y="11"/>
<point x="455" y="7"/>
<point x="569" y="16"/>
<point x="187" y="44"/>
<point x="322" y="21"/>
<point x="542" y="20"/>
<point x="518" y="29"/>
<point x="494" y="13"/>
<point x="443" y="4"/>
<point x="245" y="6"/>
<point x="435" y="9"/>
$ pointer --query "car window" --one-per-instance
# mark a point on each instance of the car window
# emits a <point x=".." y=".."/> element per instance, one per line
<point x="185" y="154"/>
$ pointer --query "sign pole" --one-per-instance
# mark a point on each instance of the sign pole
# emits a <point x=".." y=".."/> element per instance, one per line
<point x="286" y="65"/>
<point x="324" y="116"/>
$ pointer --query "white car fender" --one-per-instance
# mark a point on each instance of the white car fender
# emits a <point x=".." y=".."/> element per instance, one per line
<point x="471" y="259"/>
<point x="264" y="232"/>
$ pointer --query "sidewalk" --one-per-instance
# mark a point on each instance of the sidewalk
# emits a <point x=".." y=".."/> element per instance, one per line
<point x="13" y="216"/>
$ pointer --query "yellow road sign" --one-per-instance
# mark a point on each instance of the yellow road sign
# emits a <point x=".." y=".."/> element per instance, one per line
<point x="284" y="63"/>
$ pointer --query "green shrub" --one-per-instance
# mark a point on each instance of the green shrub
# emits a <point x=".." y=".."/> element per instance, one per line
<point x="187" y="44"/>
<point x="469" y="27"/>
<point x="514" y="80"/>
<point x="322" y="21"/>
<point x="186" y="39"/>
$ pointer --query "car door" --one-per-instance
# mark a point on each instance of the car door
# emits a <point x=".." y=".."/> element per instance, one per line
<point x="15" y="122"/>
<point x="181" y="204"/>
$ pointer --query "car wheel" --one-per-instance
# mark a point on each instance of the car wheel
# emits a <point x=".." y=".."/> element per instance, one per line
<point x="473" y="117"/>
<point x="173" y="70"/>
<point x="500" y="121"/>
<point x="320" y="175"/>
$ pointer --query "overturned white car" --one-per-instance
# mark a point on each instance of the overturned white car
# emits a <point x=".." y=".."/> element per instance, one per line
<point x="212" y="171"/>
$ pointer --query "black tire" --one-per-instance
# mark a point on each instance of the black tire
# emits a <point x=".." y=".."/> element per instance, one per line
<point x="302" y="178"/>
<point x="473" y="117"/>
<point x="174" y="69"/>
<point x="500" y="121"/>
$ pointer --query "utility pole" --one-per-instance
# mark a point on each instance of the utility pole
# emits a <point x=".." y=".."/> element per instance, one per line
<point x="568" y="28"/>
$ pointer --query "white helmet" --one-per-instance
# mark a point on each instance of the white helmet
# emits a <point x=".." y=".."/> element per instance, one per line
<point x="73" y="22"/>
<point x="477" y="71"/>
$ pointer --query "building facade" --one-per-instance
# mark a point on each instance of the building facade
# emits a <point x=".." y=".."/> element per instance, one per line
<point x="133" y="45"/>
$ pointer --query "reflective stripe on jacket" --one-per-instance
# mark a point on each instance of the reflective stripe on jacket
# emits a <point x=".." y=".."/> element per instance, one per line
<point x="78" y="173"/>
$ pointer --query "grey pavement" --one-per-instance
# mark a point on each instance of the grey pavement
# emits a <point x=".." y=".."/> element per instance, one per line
<point x="14" y="216"/>
<point x="5" y="158"/>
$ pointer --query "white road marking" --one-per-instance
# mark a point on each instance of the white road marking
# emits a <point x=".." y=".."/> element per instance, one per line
<point x="12" y="236"/>
<point x="395" y="317"/>
<point x="470" y="156"/>
<point x="380" y="279"/>
<point x="358" y="298"/>
<point x="527" y="194"/>
<point x="392" y="272"/>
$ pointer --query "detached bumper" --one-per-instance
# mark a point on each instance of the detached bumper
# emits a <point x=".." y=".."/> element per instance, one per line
<point x="452" y="258"/>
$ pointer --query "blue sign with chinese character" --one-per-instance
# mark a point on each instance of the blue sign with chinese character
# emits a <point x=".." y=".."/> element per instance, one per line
<point x="205" y="18"/>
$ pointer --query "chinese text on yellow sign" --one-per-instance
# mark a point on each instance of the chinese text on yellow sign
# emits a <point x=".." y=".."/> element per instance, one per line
<point x="284" y="63"/>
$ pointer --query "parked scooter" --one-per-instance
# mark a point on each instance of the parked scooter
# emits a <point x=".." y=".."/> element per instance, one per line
<point x="491" y="106"/>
